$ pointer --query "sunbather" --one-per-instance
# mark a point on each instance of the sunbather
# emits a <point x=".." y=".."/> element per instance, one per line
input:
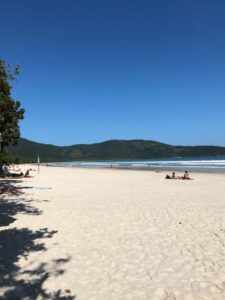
<point x="173" y="176"/>
<point x="186" y="176"/>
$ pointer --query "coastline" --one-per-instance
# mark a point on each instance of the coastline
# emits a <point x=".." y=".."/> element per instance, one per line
<point x="113" y="234"/>
<point x="192" y="169"/>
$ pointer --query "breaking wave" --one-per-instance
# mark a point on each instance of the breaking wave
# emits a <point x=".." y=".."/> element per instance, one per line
<point x="210" y="163"/>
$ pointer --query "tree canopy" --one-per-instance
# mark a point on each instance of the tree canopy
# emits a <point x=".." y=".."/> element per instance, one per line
<point x="10" y="110"/>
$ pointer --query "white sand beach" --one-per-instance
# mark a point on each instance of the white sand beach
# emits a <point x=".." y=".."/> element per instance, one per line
<point x="101" y="234"/>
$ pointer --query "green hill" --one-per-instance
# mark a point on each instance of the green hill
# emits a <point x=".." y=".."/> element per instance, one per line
<point x="27" y="151"/>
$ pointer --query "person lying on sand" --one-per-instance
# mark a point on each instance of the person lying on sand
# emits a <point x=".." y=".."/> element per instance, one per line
<point x="186" y="176"/>
<point x="173" y="176"/>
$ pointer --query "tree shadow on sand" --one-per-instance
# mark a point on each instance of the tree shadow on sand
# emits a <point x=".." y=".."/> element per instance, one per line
<point x="17" y="243"/>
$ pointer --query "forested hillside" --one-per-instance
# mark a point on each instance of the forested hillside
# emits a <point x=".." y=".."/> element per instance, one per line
<point x="27" y="151"/>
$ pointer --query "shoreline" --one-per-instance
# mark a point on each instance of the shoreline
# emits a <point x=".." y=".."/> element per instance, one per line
<point x="204" y="170"/>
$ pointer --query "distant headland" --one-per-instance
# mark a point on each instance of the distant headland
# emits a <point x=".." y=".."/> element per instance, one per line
<point x="27" y="151"/>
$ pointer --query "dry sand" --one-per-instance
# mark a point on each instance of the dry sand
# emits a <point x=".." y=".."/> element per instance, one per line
<point x="115" y="234"/>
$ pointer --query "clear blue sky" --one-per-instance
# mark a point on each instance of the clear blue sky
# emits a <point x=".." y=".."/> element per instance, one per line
<point x="118" y="69"/>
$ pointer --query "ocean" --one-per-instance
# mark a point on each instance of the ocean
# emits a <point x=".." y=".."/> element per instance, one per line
<point x="199" y="164"/>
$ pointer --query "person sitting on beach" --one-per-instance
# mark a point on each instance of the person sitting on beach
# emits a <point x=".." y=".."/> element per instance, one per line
<point x="186" y="176"/>
<point x="173" y="176"/>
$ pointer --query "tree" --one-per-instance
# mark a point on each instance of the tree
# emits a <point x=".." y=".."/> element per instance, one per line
<point x="10" y="111"/>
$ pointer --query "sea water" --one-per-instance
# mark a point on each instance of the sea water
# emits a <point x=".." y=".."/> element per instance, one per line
<point x="199" y="164"/>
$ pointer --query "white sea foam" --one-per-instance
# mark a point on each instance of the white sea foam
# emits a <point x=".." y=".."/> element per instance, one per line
<point x="214" y="163"/>
<point x="182" y="163"/>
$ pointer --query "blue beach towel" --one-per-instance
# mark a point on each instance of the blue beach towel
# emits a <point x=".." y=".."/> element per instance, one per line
<point x="36" y="187"/>
<point x="41" y="188"/>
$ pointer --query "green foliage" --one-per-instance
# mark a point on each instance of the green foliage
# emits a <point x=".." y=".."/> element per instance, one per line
<point x="6" y="157"/>
<point x="115" y="149"/>
<point x="10" y="111"/>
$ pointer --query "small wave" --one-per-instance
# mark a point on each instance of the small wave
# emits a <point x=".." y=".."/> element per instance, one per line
<point x="173" y="163"/>
<point x="140" y="165"/>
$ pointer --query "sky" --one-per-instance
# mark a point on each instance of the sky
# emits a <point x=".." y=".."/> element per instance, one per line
<point x="118" y="69"/>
